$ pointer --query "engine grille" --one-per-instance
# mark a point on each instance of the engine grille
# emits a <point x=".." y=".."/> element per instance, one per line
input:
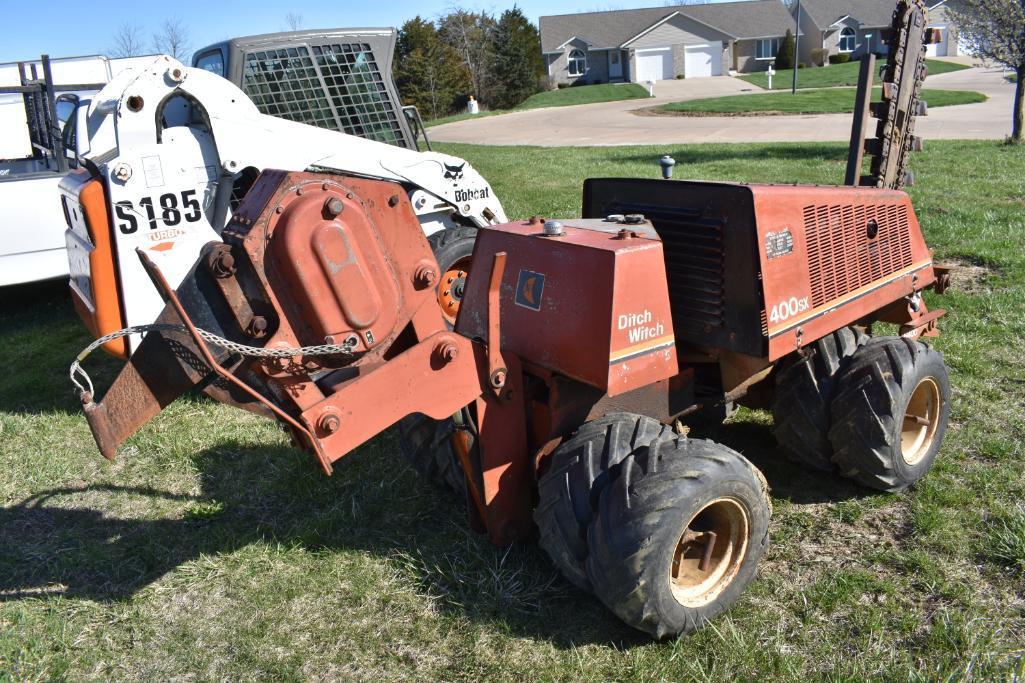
<point x="843" y="257"/>
<point x="695" y="267"/>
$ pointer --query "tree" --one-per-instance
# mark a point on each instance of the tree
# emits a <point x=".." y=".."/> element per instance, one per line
<point x="785" y="53"/>
<point x="429" y="73"/>
<point x="294" y="21"/>
<point x="127" y="41"/>
<point x="996" y="31"/>
<point x="472" y="36"/>
<point x="172" y="39"/>
<point x="518" y="67"/>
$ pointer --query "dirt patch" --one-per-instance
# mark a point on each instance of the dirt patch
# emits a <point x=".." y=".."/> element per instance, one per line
<point x="833" y="542"/>
<point x="968" y="277"/>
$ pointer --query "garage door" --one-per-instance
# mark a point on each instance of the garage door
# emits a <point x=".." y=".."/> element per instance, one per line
<point x="938" y="49"/>
<point x="654" y="64"/>
<point x="703" y="60"/>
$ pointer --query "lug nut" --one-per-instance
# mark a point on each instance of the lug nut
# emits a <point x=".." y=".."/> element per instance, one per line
<point x="334" y="206"/>
<point x="424" y="276"/>
<point x="329" y="423"/>
<point x="448" y="351"/>
<point x="257" y="326"/>
<point x="498" y="379"/>
<point x="221" y="263"/>
<point x="122" y="172"/>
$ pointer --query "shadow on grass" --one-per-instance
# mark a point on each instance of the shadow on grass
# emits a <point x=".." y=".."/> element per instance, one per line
<point x="42" y="335"/>
<point x="107" y="542"/>
<point x="787" y="480"/>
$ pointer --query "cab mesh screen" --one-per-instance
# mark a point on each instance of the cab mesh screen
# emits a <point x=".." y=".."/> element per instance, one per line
<point x="338" y="86"/>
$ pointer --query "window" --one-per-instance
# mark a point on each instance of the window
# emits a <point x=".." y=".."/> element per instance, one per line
<point x="766" y="48"/>
<point x="212" y="61"/>
<point x="577" y="63"/>
<point x="847" y="40"/>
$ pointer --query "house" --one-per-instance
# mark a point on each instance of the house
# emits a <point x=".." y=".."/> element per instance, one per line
<point x="856" y="27"/>
<point x="658" y="43"/>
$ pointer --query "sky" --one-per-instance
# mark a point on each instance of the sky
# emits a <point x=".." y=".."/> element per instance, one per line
<point x="63" y="28"/>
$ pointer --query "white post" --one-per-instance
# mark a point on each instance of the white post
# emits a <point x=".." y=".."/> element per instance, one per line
<point x="651" y="88"/>
<point x="770" y="73"/>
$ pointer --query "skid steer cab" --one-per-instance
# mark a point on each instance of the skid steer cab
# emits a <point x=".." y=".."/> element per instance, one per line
<point x="554" y="405"/>
<point x="189" y="146"/>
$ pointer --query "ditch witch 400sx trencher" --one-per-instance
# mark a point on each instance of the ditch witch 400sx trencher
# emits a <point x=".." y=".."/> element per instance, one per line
<point x="555" y="404"/>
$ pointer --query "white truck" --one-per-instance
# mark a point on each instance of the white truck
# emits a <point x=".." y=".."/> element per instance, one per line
<point x="43" y="133"/>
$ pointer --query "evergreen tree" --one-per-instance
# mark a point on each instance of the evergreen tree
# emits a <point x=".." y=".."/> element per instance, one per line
<point x="518" y="66"/>
<point x="428" y="73"/>
<point x="785" y="54"/>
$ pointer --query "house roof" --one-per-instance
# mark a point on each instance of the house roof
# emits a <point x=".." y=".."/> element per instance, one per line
<point x="745" y="19"/>
<point x="868" y="13"/>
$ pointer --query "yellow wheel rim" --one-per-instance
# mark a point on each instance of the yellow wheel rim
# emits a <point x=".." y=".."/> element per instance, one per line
<point x="710" y="552"/>
<point x="921" y="417"/>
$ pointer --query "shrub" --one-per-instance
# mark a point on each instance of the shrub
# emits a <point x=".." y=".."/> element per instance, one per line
<point x="819" y="56"/>
<point x="563" y="85"/>
<point x="841" y="58"/>
<point x="785" y="53"/>
<point x="679" y="77"/>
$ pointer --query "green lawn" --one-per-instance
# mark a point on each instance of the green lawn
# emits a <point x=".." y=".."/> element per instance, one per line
<point x="210" y="550"/>
<point x="563" y="97"/>
<point x="824" y="101"/>
<point x="832" y="75"/>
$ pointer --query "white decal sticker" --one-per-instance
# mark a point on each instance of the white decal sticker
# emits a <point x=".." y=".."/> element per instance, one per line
<point x="787" y="309"/>
<point x="639" y="326"/>
<point x="153" y="171"/>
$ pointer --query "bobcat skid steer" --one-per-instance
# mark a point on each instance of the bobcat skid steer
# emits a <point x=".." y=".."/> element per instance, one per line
<point x="189" y="145"/>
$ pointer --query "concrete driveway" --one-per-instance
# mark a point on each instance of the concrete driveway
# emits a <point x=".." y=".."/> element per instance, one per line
<point x="615" y="123"/>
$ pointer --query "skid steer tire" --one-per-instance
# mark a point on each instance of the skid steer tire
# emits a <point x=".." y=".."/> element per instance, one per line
<point x="804" y="388"/>
<point x="641" y="563"/>
<point x="578" y="471"/>
<point x="427" y="445"/>
<point x="452" y="248"/>
<point x="890" y="413"/>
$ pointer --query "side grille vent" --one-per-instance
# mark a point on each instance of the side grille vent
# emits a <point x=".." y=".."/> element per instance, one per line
<point x="695" y="266"/>
<point x="843" y="254"/>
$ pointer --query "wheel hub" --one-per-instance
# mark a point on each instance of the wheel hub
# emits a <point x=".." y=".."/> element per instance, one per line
<point x="451" y="288"/>
<point x="921" y="417"/>
<point x="709" y="553"/>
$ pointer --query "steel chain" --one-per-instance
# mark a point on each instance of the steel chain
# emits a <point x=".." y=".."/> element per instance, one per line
<point x="210" y="337"/>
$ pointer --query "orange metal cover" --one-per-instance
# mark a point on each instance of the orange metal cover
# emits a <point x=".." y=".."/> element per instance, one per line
<point x="94" y="285"/>
<point x="832" y="255"/>
<point x="588" y="304"/>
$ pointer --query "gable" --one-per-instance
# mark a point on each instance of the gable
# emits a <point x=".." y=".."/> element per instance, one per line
<point x="864" y="13"/>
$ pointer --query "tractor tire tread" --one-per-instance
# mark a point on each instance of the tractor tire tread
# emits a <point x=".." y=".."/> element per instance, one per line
<point x="645" y="489"/>
<point x="568" y="491"/>
<point x="869" y="401"/>
<point x="801" y="405"/>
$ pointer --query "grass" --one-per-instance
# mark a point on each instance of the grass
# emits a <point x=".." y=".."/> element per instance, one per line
<point x="563" y="97"/>
<point x="210" y="550"/>
<point x="824" y="101"/>
<point x="833" y="75"/>
<point x="584" y="94"/>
